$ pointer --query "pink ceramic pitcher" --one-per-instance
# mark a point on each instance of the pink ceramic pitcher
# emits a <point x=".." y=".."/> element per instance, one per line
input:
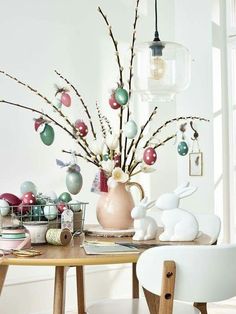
<point x="114" y="208"/>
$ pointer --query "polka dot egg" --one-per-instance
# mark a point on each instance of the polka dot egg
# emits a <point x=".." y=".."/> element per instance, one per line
<point x="149" y="156"/>
<point x="28" y="199"/>
<point x="182" y="148"/>
<point x="81" y="127"/>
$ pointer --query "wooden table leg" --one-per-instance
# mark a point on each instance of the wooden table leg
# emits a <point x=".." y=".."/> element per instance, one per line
<point x="202" y="307"/>
<point x="135" y="282"/>
<point x="3" y="273"/>
<point x="59" y="290"/>
<point x="80" y="289"/>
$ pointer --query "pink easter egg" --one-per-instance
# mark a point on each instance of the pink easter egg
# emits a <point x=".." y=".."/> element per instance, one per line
<point x="117" y="159"/>
<point x="28" y="199"/>
<point x="22" y="209"/>
<point x="61" y="207"/>
<point x="149" y="156"/>
<point x="65" y="99"/>
<point x="11" y="199"/>
<point x="113" y="103"/>
<point x="37" y="123"/>
<point x="82" y="127"/>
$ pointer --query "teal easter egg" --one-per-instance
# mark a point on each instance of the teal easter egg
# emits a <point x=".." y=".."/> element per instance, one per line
<point x="121" y="96"/>
<point x="182" y="148"/>
<point x="47" y="135"/>
<point x="74" y="182"/>
<point x="37" y="213"/>
<point x="41" y="201"/>
<point x="131" y="129"/>
<point x="105" y="157"/>
<point x="28" y="186"/>
<point x="65" y="197"/>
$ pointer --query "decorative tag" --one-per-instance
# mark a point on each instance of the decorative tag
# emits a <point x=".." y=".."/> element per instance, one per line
<point x="96" y="184"/>
<point x="67" y="220"/>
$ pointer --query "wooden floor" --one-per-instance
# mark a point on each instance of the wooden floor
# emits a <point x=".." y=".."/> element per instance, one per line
<point x="227" y="307"/>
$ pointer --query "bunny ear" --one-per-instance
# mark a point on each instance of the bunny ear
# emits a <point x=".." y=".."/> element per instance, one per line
<point x="150" y="204"/>
<point x="186" y="191"/>
<point x="181" y="187"/>
<point x="144" y="200"/>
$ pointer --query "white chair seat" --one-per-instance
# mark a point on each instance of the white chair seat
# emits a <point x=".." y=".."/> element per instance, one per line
<point x="137" y="306"/>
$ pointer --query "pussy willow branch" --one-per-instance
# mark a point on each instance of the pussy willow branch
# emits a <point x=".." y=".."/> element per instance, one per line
<point x="81" y="156"/>
<point x="47" y="116"/>
<point x="131" y="73"/>
<point x="38" y="94"/>
<point x="101" y="120"/>
<point x="121" y="83"/>
<point x="171" y="121"/>
<point x="81" y="100"/>
<point x="134" y="144"/>
<point x="115" y="45"/>
<point x="156" y="146"/>
<point x="108" y="124"/>
<point x="47" y="101"/>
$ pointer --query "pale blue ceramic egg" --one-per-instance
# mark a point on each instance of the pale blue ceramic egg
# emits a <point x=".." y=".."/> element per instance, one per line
<point x="131" y="129"/>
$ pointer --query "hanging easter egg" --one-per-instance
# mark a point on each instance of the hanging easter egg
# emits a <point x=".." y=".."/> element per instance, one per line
<point x="61" y="207"/>
<point x="117" y="159"/>
<point x="4" y="208"/>
<point x="182" y="148"/>
<point x="74" y="182"/>
<point x="50" y="211"/>
<point x="131" y="129"/>
<point x="81" y="127"/>
<point x="47" y="135"/>
<point x="38" y="122"/>
<point x="105" y="157"/>
<point x="121" y="96"/>
<point x="11" y="199"/>
<point x="113" y="103"/>
<point x="28" y="199"/>
<point x="28" y="186"/>
<point x="65" y="197"/>
<point x="65" y="99"/>
<point x="37" y="213"/>
<point x="149" y="156"/>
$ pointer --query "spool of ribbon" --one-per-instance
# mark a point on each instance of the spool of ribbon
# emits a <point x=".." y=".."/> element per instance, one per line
<point x="58" y="236"/>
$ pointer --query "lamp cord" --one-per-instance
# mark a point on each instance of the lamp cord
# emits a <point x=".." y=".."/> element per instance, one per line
<point x="156" y="36"/>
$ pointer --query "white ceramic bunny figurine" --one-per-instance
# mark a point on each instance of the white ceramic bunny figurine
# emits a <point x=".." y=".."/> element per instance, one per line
<point x="179" y="224"/>
<point x="145" y="226"/>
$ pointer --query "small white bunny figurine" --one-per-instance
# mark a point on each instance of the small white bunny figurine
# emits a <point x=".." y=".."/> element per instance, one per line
<point x="179" y="224"/>
<point x="145" y="226"/>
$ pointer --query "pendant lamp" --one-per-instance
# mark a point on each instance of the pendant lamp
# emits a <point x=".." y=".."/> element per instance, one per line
<point x="163" y="68"/>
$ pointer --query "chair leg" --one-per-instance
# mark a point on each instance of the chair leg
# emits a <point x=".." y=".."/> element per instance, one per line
<point x="168" y="286"/>
<point x="202" y="307"/>
<point x="135" y="283"/>
<point x="3" y="273"/>
<point x="153" y="301"/>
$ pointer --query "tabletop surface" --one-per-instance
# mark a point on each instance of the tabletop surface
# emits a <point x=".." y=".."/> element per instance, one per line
<point x="74" y="255"/>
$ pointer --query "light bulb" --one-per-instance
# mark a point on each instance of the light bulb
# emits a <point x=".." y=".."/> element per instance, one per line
<point x="157" y="68"/>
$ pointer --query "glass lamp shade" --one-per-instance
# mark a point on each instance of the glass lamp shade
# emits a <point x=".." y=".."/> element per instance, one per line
<point x="163" y="69"/>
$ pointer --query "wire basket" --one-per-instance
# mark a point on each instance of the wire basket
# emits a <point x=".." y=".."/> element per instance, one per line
<point x="47" y="213"/>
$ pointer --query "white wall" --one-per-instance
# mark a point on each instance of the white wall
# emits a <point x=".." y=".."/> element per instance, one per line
<point x="38" y="37"/>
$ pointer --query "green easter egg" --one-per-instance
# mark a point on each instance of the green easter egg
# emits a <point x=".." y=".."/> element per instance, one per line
<point x="65" y="197"/>
<point x="105" y="157"/>
<point x="74" y="182"/>
<point x="131" y="129"/>
<point x="121" y="96"/>
<point x="47" y="135"/>
<point x="182" y="148"/>
<point x="41" y="201"/>
<point x="37" y="213"/>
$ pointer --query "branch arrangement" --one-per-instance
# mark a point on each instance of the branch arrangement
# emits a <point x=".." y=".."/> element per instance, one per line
<point x="111" y="150"/>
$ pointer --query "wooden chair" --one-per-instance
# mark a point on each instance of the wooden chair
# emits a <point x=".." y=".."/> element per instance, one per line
<point x="181" y="273"/>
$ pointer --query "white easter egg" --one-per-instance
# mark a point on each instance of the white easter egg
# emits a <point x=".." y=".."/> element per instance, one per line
<point x="131" y="129"/>
<point x="75" y="205"/>
<point x="51" y="195"/>
<point x="50" y="211"/>
<point x="4" y="208"/>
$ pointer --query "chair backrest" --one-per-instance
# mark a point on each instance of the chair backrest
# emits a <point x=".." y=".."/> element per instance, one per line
<point x="209" y="224"/>
<point x="203" y="273"/>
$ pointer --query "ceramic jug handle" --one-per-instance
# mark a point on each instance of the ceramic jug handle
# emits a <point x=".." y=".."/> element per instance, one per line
<point x="138" y="186"/>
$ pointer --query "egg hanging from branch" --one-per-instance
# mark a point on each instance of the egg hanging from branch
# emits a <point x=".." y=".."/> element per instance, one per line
<point x="113" y="103"/>
<point x="121" y="96"/>
<point x="131" y="129"/>
<point x="182" y="148"/>
<point x="81" y="127"/>
<point x="149" y="156"/>
<point x="65" y="99"/>
<point x="47" y="135"/>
